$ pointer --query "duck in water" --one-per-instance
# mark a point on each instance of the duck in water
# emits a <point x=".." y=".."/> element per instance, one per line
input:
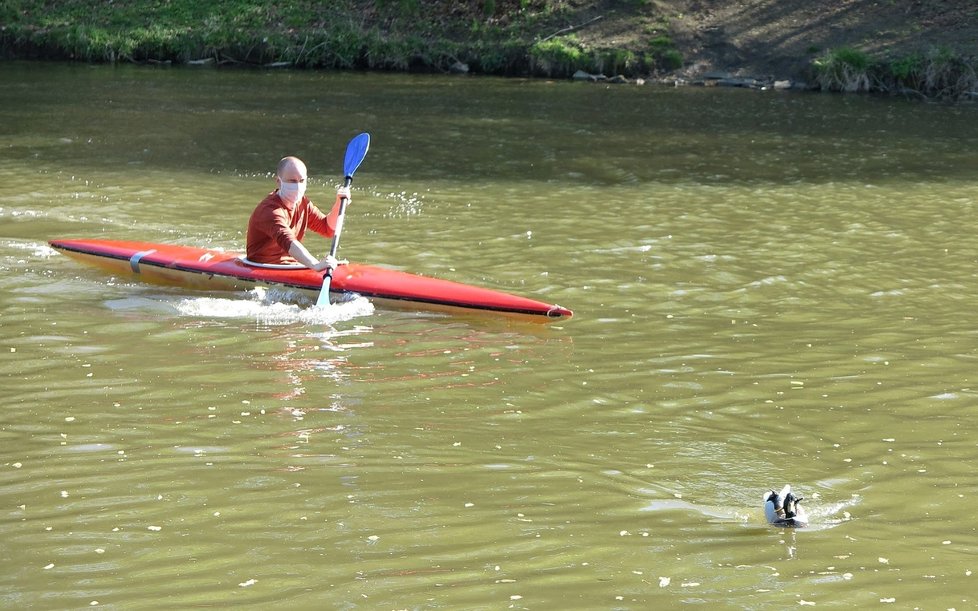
<point x="783" y="509"/>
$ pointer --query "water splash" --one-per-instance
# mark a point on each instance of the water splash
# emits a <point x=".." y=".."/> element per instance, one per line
<point x="274" y="307"/>
<point x="37" y="250"/>
<point x="405" y="204"/>
<point x="830" y="515"/>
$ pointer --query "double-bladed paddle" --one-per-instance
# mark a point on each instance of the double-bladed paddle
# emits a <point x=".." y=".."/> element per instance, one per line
<point x="356" y="150"/>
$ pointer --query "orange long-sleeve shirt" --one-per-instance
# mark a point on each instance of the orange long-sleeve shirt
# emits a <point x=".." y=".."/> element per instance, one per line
<point x="274" y="226"/>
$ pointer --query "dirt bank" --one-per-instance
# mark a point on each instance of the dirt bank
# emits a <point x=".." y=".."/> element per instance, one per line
<point x="781" y="38"/>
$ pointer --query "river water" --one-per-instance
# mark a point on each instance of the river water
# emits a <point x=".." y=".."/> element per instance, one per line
<point x="768" y="288"/>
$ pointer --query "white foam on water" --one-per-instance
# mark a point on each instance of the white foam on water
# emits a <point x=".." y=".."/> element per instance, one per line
<point x="37" y="250"/>
<point x="273" y="308"/>
<point x="822" y="516"/>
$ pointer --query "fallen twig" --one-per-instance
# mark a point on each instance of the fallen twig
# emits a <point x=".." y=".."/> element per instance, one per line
<point x="570" y="29"/>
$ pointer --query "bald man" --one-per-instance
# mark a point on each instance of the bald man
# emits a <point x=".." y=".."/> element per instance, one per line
<point x="277" y="225"/>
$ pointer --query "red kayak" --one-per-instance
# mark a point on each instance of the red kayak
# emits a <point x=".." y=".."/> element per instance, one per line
<point x="206" y="269"/>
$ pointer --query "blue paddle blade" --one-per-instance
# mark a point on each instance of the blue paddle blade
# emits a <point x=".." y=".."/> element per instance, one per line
<point x="356" y="150"/>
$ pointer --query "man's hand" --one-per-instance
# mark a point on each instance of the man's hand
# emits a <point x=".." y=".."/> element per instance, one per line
<point x="344" y="192"/>
<point x="329" y="262"/>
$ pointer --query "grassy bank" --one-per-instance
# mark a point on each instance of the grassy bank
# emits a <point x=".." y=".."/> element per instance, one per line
<point x="489" y="36"/>
<point x="938" y="73"/>
<point x="548" y="38"/>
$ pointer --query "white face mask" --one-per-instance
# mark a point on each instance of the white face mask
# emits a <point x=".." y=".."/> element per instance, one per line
<point x="291" y="192"/>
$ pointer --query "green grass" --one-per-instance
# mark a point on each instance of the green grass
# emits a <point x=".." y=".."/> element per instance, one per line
<point x="665" y="54"/>
<point x="493" y="36"/>
<point x="908" y="69"/>
<point x="558" y="56"/>
<point x="938" y="73"/>
<point x="844" y="69"/>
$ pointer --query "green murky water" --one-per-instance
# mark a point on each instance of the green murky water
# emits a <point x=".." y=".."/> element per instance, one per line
<point x="768" y="288"/>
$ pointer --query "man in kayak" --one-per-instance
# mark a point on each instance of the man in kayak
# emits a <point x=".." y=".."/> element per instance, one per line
<point x="277" y="225"/>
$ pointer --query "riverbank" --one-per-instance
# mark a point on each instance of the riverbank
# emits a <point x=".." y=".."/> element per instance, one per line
<point x="924" y="49"/>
